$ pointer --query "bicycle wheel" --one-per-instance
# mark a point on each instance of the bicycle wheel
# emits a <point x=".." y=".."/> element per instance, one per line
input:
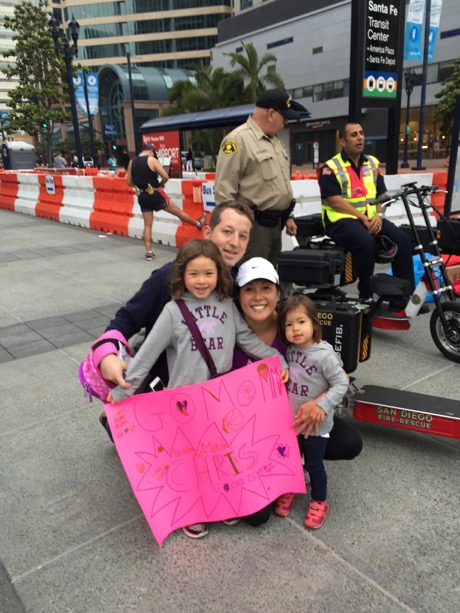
<point x="447" y="340"/>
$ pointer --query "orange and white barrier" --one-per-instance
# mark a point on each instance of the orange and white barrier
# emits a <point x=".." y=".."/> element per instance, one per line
<point x="99" y="202"/>
<point x="106" y="203"/>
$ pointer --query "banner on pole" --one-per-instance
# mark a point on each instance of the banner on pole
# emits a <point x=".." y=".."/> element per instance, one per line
<point x="435" y="18"/>
<point x="211" y="451"/>
<point x="413" y="35"/>
<point x="92" y="85"/>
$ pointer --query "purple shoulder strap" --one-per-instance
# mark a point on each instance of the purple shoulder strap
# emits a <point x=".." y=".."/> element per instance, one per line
<point x="191" y="323"/>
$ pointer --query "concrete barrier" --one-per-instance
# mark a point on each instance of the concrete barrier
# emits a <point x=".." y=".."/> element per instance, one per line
<point x="106" y="203"/>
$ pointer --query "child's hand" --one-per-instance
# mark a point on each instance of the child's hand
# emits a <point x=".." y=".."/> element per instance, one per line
<point x="284" y="376"/>
<point x="113" y="369"/>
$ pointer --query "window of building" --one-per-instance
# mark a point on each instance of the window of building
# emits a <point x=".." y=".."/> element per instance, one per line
<point x="279" y="43"/>
<point x="328" y="89"/>
<point x="432" y="73"/>
<point x="445" y="70"/>
<point x="317" y="50"/>
<point x="318" y="93"/>
<point x="129" y="7"/>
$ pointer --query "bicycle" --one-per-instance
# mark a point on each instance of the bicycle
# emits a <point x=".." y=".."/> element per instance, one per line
<point x="445" y="318"/>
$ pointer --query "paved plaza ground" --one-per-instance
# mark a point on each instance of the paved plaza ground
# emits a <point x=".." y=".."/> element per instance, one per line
<point x="72" y="536"/>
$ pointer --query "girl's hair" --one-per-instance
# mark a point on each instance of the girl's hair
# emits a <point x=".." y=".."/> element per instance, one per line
<point x="299" y="301"/>
<point x="189" y="251"/>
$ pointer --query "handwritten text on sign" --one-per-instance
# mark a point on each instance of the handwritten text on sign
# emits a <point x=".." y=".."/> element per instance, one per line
<point x="210" y="451"/>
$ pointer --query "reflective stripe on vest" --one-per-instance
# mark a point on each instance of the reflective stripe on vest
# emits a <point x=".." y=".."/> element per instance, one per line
<point x="350" y="183"/>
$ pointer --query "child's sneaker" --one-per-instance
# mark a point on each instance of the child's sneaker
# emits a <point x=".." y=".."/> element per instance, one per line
<point x="284" y="504"/>
<point x="316" y="514"/>
<point x="196" y="531"/>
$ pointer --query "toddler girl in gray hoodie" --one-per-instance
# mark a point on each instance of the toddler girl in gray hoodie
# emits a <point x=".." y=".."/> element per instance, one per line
<point x="317" y="384"/>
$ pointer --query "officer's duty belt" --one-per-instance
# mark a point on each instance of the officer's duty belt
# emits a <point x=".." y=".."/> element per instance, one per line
<point x="269" y="219"/>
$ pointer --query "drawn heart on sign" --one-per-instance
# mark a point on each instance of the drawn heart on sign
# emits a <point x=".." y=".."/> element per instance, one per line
<point x="182" y="406"/>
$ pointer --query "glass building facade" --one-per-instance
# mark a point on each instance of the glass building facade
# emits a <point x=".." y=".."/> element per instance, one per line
<point x="157" y="33"/>
<point x="6" y="42"/>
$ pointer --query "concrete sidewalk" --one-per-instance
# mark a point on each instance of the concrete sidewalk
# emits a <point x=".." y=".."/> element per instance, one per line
<point x="72" y="537"/>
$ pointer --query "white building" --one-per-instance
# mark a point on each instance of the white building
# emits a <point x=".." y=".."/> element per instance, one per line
<point x="311" y="41"/>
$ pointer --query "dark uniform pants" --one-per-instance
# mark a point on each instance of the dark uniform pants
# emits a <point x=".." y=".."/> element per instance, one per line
<point x="352" y="235"/>
<point x="265" y="243"/>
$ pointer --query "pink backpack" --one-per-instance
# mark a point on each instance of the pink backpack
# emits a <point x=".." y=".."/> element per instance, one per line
<point x="94" y="384"/>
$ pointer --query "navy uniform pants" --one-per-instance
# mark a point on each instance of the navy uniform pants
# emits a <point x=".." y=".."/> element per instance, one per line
<point x="352" y="235"/>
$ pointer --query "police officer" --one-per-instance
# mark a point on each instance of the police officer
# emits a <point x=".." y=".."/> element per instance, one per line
<point x="253" y="168"/>
<point x="350" y="182"/>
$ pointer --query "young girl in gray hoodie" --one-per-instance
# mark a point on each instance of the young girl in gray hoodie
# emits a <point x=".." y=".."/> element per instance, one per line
<point x="317" y="384"/>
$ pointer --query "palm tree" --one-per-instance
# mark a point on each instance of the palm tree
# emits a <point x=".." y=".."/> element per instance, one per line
<point x="211" y="89"/>
<point x="250" y="68"/>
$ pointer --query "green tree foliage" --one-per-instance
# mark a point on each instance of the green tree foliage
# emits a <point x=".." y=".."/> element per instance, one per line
<point x="210" y="89"/>
<point x="69" y="148"/>
<point x="250" y="68"/>
<point x="445" y="110"/>
<point x="38" y="100"/>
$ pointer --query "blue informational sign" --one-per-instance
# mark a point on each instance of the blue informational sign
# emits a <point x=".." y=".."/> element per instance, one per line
<point x="92" y="85"/>
<point x="413" y="35"/>
<point x="110" y="130"/>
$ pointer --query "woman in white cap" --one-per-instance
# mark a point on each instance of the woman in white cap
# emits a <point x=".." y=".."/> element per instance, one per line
<point x="258" y="295"/>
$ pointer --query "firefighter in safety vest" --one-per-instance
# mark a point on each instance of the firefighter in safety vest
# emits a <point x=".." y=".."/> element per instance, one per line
<point x="351" y="186"/>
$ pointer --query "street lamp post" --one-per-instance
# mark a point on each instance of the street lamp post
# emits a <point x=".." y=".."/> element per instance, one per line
<point x="421" y="128"/>
<point x="409" y="82"/>
<point x="133" y="110"/>
<point x="61" y="44"/>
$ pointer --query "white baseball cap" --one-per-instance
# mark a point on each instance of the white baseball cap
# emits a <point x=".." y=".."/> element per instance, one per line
<point x="256" y="268"/>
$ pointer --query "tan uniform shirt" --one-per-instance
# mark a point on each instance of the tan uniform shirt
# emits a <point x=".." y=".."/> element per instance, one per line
<point x="254" y="169"/>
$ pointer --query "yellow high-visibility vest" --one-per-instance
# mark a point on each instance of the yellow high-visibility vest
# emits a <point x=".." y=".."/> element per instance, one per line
<point x="358" y="191"/>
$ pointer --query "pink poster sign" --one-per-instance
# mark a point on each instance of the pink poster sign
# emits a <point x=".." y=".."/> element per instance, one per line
<point x="214" y="450"/>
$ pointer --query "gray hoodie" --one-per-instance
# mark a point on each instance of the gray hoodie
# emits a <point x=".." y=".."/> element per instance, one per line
<point x="312" y="371"/>
<point x="221" y="327"/>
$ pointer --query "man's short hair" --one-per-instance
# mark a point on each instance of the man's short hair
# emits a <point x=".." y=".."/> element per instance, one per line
<point x="239" y="207"/>
<point x="343" y="129"/>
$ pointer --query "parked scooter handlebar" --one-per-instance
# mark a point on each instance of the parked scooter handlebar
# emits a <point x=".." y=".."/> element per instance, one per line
<point x="410" y="189"/>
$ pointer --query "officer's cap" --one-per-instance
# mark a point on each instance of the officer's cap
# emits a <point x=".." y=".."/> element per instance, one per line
<point x="280" y="101"/>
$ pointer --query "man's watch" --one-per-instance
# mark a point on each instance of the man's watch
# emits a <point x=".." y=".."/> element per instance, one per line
<point x="382" y="215"/>
<point x="291" y="215"/>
